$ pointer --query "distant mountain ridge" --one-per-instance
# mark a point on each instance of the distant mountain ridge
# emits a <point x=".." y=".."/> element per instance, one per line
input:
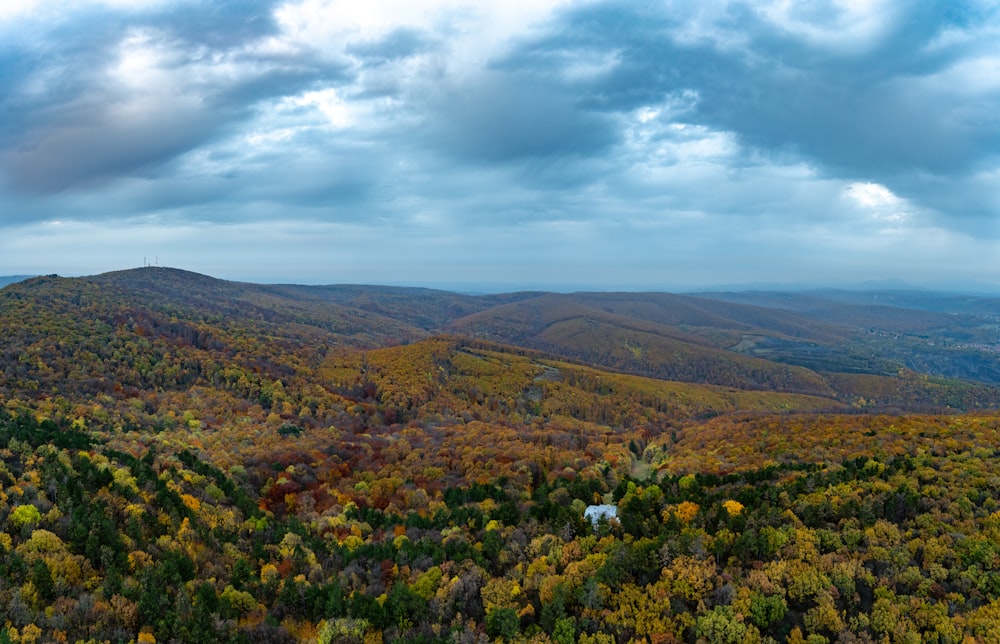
<point x="12" y="279"/>
<point x="813" y="344"/>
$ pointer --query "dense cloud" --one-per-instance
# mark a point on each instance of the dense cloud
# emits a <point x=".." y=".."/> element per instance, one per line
<point x="101" y="95"/>
<point x="605" y="143"/>
<point x="876" y="105"/>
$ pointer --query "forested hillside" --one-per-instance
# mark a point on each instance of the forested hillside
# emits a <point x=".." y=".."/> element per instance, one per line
<point x="942" y="334"/>
<point x="185" y="459"/>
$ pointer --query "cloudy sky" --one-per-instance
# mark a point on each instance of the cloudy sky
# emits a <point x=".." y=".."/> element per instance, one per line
<point x="601" y="144"/>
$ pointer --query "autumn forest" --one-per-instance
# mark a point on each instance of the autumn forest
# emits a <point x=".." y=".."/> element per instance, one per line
<point x="186" y="459"/>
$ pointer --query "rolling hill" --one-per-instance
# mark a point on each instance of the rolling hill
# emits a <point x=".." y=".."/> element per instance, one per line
<point x="195" y="460"/>
<point x="168" y="330"/>
<point x="942" y="334"/>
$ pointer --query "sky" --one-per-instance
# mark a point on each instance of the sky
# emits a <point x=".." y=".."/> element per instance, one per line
<point x="605" y="144"/>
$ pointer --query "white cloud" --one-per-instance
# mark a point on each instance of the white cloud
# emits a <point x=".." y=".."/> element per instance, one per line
<point x="330" y="104"/>
<point x="141" y="62"/>
<point x="872" y="195"/>
<point x="878" y="201"/>
<point x="832" y="24"/>
<point x="475" y="30"/>
<point x="971" y="77"/>
<point x="10" y="9"/>
<point x="658" y="135"/>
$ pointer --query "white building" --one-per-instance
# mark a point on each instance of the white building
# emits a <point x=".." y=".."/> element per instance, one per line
<point x="597" y="512"/>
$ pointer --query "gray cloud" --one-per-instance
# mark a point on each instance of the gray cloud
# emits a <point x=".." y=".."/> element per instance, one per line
<point x="872" y="110"/>
<point x="613" y="143"/>
<point x="217" y="25"/>
<point x="70" y="123"/>
<point x="504" y="116"/>
<point x="400" y="43"/>
<point x="94" y="147"/>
